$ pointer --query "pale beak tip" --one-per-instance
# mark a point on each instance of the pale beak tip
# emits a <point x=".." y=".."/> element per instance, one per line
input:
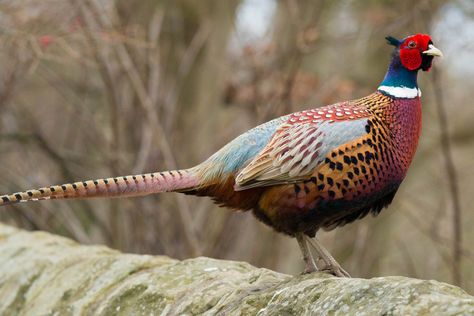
<point x="433" y="51"/>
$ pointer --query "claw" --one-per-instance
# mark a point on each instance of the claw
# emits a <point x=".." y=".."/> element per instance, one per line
<point x="309" y="268"/>
<point x="337" y="271"/>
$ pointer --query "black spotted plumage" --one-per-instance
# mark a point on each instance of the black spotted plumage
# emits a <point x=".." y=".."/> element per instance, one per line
<point x="309" y="170"/>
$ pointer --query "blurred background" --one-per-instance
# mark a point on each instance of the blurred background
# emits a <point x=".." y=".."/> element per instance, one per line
<point x="99" y="88"/>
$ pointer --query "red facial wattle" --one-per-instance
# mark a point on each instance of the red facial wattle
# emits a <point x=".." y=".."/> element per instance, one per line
<point x="411" y="56"/>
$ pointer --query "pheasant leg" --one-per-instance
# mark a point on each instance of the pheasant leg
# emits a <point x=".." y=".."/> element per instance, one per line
<point x="310" y="265"/>
<point x="330" y="264"/>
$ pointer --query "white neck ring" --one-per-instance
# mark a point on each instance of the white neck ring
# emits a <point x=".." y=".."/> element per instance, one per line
<point x="401" y="92"/>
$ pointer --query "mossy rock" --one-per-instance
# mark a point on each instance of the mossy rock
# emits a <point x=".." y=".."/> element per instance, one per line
<point x="43" y="274"/>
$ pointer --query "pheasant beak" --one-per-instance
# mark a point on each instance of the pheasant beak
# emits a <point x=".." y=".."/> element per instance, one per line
<point x="433" y="51"/>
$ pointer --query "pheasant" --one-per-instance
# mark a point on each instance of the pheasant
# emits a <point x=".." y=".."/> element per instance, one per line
<point x="302" y="172"/>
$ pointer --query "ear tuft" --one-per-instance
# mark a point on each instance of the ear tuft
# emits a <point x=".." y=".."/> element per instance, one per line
<point x="392" y="41"/>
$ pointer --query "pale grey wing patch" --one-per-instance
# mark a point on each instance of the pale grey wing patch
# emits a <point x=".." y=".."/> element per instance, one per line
<point x="296" y="150"/>
<point x="239" y="152"/>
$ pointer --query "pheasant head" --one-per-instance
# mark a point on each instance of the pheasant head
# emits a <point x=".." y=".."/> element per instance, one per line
<point x="411" y="54"/>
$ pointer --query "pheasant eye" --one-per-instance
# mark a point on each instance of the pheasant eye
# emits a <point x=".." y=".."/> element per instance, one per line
<point x="412" y="44"/>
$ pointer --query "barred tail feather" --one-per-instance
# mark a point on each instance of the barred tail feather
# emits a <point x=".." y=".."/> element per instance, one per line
<point x="127" y="186"/>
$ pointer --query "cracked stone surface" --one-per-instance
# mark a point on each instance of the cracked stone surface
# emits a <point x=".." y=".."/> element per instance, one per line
<point x="43" y="274"/>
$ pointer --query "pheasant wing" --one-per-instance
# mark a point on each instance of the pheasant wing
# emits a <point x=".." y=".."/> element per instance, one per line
<point x="301" y="144"/>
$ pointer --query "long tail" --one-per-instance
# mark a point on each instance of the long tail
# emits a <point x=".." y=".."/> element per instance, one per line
<point x="127" y="186"/>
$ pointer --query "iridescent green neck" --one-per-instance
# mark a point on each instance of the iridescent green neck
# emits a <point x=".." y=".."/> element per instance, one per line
<point x="399" y="82"/>
<point x="399" y="76"/>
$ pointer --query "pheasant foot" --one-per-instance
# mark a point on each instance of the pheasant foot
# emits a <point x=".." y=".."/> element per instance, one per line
<point x="330" y="264"/>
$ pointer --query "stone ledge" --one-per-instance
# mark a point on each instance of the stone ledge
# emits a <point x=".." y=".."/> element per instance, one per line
<point x="43" y="274"/>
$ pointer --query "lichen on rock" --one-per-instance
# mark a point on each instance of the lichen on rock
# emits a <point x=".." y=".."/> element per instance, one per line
<point x="43" y="274"/>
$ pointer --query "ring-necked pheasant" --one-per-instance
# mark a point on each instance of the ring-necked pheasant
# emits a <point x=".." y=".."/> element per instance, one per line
<point x="313" y="169"/>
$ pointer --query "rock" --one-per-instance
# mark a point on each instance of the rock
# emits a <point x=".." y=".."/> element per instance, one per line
<point x="43" y="274"/>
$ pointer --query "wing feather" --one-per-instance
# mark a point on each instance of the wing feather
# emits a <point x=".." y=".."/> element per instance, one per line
<point x="296" y="149"/>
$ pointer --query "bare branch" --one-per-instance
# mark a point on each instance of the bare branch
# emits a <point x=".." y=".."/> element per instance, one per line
<point x="445" y="145"/>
